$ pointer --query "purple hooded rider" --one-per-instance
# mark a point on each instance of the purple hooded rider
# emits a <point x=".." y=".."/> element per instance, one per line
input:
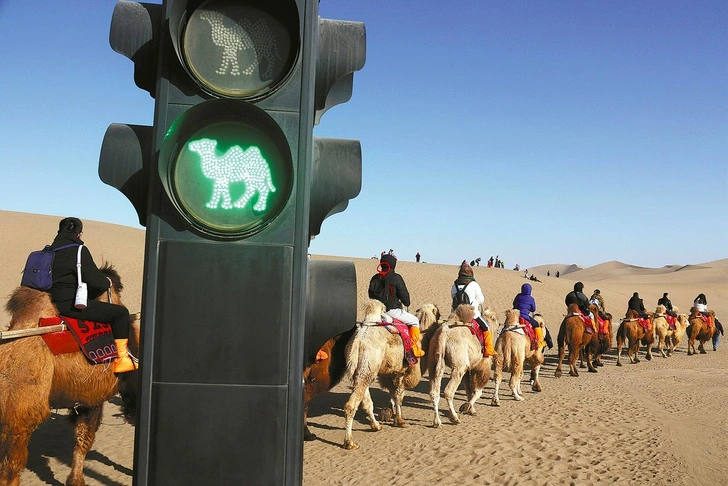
<point x="526" y="304"/>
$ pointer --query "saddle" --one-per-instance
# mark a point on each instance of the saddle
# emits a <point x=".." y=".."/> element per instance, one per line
<point x="671" y="322"/>
<point x="399" y="327"/>
<point x="528" y="329"/>
<point x="589" y="325"/>
<point x="478" y="333"/>
<point x="94" y="339"/>
<point x="645" y="323"/>
<point x="706" y="319"/>
<point x="602" y="326"/>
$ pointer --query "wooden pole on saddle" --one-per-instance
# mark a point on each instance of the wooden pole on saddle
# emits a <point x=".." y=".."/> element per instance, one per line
<point x="18" y="333"/>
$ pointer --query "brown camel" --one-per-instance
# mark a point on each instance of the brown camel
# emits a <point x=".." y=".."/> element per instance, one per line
<point x="699" y="330"/>
<point x="631" y="331"/>
<point x="666" y="336"/>
<point x="373" y="352"/>
<point x="455" y="346"/>
<point x="599" y="344"/>
<point x="572" y="333"/>
<point x="33" y="381"/>
<point x="514" y="349"/>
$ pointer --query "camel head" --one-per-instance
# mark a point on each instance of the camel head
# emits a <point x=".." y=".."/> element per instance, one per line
<point x="632" y="314"/>
<point x="661" y="309"/>
<point x="428" y="315"/>
<point x="465" y="313"/>
<point x="491" y="317"/>
<point x="539" y="318"/>
<point x="512" y="316"/>
<point x="373" y="310"/>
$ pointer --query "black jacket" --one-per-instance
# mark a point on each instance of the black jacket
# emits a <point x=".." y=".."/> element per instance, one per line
<point x="401" y="293"/>
<point x="65" y="280"/>
<point x="666" y="302"/>
<point x="578" y="298"/>
<point x="635" y="303"/>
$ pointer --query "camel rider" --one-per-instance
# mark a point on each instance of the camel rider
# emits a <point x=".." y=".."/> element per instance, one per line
<point x="526" y="304"/>
<point x="399" y="296"/>
<point x="636" y="304"/>
<point x="578" y="297"/>
<point x="597" y="299"/>
<point x="63" y="291"/>
<point x="665" y="300"/>
<point x="466" y="281"/>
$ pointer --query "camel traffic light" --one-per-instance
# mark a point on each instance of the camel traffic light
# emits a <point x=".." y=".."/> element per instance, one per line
<point x="231" y="186"/>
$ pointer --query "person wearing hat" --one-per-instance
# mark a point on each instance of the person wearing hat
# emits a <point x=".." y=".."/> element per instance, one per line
<point x="398" y="296"/>
<point x="598" y="299"/>
<point x="526" y="304"/>
<point x="65" y="282"/>
<point x="466" y="281"/>
<point x="635" y="303"/>
<point x="665" y="300"/>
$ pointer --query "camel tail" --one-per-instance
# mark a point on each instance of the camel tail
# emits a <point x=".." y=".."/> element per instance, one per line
<point x="437" y="360"/>
<point x="561" y="339"/>
<point x="620" y="331"/>
<point x="352" y="359"/>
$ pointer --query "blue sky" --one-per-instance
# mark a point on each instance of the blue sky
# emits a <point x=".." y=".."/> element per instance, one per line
<point x="543" y="132"/>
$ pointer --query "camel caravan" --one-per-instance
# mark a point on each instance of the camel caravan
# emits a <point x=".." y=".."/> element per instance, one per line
<point x="41" y="362"/>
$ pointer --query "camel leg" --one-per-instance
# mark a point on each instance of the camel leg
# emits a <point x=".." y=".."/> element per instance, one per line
<point x="397" y="395"/>
<point x="536" y="382"/>
<point x="562" y="352"/>
<point x="701" y="347"/>
<point x="435" y="383"/>
<point x="86" y="423"/>
<point x="14" y="448"/>
<point x="581" y="358"/>
<point x="361" y="388"/>
<point x="620" y="343"/>
<point x="589" y="358"/>
<point x="368" y="406"/>
<point x="456" y="376"/>
<point x="648" y="354"/>
<point x="573" y="354"/>
<point x="515" y="381"/>
<point x="497" y="377"/>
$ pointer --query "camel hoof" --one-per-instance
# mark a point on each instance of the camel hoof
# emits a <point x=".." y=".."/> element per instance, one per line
<point x="495" y="402"/>
<point x="648" y="357"/>
<point x="592" y="370"/>
<point x="401" y="423"/>
<point x="455" y="420"/>
<point x="518" y="397"/>
<point x="350" y="445"/>
<point x="536" y="387"/>
<point x="436" y="425"/>
<point x="636" y="360"/>
<point x="375" y="426"/>
<point x="619" y="364"/>
<point x="574" y="373"/>
<point x="557" y="373"/>
<point x="599" y="363"/>
<point x="702" y="351"/>
<point x="582" y="365"/>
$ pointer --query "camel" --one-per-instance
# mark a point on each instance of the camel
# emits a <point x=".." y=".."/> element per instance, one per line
<point x="666" y="336"/>
<point x="455" y="346"/>
<point x="514" y="349"/>
<point x="599" y="344"/>
<point x="323" y="375"/>
<point x="373" y="352"/>
<point x="572" y="333"/>
<point x="699" y="330"/>
<point x="34" y="381"/>
<point x="631" y="330"/>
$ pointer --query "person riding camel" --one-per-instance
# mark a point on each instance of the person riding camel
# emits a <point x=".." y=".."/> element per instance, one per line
<point x="665" y="300"/>
<point x="599" y="300"/>
<point x="635" y="303"/>
<point x="398" y="296"/>
<point x="526" y="304"/>
<point x="63" y="290"/>
<point x="466" y="281"/>
<point x="578" y="297"/>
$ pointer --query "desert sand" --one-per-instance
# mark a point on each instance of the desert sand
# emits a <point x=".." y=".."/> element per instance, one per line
<point x="658" y="422"/>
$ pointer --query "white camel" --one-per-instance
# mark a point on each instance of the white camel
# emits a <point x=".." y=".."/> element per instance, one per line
<point x="514" y="350"/>
<point x="455" y="346"/>
<point x="373" y="352"/>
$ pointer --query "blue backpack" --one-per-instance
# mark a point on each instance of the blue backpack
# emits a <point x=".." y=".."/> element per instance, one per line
<point x="38" y="271"/>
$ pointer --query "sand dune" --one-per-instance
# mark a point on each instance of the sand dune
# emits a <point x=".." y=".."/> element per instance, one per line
<point x="655" y="422"/>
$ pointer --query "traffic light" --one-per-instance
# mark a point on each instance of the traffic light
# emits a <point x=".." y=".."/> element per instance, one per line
<point x="226" y="182"/>
<point x="336" y="178"/>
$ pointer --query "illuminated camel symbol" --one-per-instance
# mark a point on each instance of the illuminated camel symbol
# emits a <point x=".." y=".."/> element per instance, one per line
<point x="235" y="165"/>
<point x="236" y="37"/>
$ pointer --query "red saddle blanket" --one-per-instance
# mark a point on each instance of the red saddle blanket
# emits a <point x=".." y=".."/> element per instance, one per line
<point x="399" y="327"/>
<point x="706" y="319"/>
<point x="478" y="333"/>
<point x="645" y="323"/>
<point x="589" y="329"/>
<point x="602" y="326"/>
<point x="671" y="322"/>
<point x="95" y="339"/>
<point x="530" y="332"/>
